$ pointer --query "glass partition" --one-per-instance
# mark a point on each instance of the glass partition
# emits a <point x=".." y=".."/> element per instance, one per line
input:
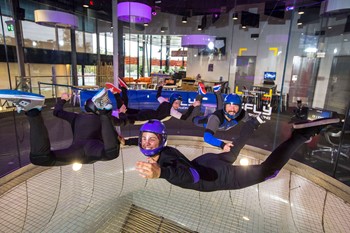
<point x="284" y="64"/>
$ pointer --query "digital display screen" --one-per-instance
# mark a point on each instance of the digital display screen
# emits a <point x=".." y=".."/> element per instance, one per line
<point x="314" y="114"/>
<point x="271" y="76"/>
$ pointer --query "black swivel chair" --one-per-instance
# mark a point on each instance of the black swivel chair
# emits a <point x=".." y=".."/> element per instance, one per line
<point x="331" y="143"/>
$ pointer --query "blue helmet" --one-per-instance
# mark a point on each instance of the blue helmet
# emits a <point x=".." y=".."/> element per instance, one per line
<point x="158" y="128"/>
<point x="175" y="96"/>
<point x="232" y="99"/>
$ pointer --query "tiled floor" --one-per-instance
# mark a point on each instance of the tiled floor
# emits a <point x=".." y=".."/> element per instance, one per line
<point x="99" y="196"/>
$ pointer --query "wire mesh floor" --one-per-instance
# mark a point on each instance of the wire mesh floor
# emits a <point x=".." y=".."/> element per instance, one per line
<point x="100" y="198"/>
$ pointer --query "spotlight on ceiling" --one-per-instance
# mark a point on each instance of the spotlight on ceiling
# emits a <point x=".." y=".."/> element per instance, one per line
<point x="301" y="11"/>
<point x="163" y="29"/>
<point x="86" y="4"/>
<point x="235" y="16"/>
<point x="184" y="19"/>
<point x="199" y="28"/>
<point x="145" y="24"/>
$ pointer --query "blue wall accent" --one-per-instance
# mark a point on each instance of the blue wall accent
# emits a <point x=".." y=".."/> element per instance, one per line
<point x="146" y="99"/>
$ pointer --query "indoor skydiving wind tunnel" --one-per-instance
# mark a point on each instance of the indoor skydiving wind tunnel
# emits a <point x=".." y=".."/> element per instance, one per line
<point x="112" y="197"/>
<point x="287" y="60"/>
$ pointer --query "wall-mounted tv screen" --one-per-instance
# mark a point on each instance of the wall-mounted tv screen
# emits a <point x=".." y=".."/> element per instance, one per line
<point x="269" y="76"/>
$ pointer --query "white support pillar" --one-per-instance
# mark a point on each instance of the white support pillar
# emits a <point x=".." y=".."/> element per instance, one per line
<point x="115" y="42"/>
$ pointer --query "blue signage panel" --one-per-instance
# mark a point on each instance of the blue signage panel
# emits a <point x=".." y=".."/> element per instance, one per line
<point x="146" y="99"/>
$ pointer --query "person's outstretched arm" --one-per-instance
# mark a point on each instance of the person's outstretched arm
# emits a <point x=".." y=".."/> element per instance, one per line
<point x="60" y="112"/>
<point x="211" y="128"/>
<point x="159" y="91"/>
<point x="175" y="168"/>
<point x="187" y="114"/>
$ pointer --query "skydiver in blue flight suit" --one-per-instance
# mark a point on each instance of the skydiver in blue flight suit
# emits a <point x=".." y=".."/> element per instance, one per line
<point x="228" y="114"/>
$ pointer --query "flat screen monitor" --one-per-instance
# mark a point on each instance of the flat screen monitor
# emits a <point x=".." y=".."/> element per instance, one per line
<point x="269" y="76"/>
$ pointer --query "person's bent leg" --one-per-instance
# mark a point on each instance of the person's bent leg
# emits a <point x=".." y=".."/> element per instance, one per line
<point x="125" y="96"/>
<point x="219" y="100"/>
<point x="109" y="136"/>
<point x="40" y="152"/>
<point x="244" y="176"/>
<point x="245" y="134"/>
<point x="108" y="149"/>
<point x="119" y="100"/>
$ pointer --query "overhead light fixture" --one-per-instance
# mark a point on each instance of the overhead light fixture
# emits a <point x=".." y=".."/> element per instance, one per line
<point x="163" y="29"/>
<point x="154" y="13"/>
<point x="184" y="19"/>
<point x="134" y="12"/>
<point x="244" y="27"/>
<point x="53" y="18"/>
<point x="145" y="24"/>
<point x="86" y="4"/>
<point x="299" y="22"/>
<point x="301" y="11"/>
<point x="199" y="28"/>
<point x="211" y="45"/>
<point x="235" y="16"/>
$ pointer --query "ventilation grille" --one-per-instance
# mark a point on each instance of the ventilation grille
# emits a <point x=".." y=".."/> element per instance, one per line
<point x="141" y="220"/>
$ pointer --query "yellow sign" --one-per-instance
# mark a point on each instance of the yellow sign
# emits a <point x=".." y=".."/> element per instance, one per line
<point x="238" y="92"/>
<point x="269" y="95"/>
<point x="241" y="50"/>
<point x="275" y="50"/>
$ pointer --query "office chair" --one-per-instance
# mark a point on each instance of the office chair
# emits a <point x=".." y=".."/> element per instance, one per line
<point x="332" y="138"/>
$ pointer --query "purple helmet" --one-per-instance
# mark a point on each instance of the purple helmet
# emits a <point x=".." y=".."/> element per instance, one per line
<point x="158" y="128"/>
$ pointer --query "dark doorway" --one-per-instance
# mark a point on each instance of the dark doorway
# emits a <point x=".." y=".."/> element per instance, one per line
<point x="245" y="72"/>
